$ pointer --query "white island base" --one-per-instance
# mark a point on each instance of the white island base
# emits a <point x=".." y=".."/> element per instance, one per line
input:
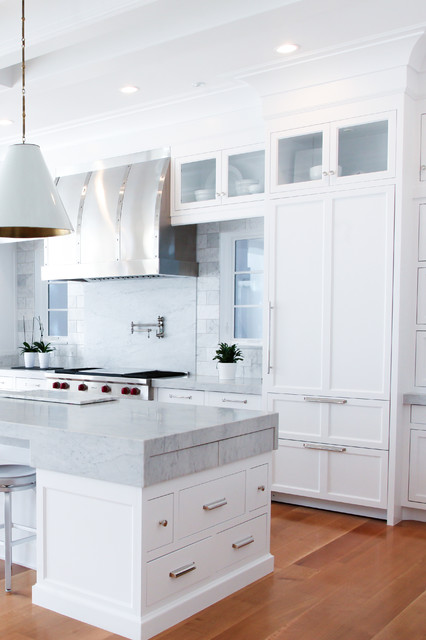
<point x="135" y="561"/>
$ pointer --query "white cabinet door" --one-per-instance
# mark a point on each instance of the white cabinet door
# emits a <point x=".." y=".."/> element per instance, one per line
<point x="417" y="479"/>
<point x="349" y="475"/>
<point x="423" y="148"/>
<point x="180" y="396"/>
<point x="330" y="277"/>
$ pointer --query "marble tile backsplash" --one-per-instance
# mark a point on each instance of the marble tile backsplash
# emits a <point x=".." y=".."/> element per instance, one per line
<point x="100" y="314"/>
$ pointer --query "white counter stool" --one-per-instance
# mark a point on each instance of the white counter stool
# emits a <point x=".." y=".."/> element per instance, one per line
<point x="14" y="477"/>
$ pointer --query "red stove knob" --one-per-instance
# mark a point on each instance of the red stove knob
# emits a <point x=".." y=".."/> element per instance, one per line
<point x="105" y="389"/>
<point x="135" y="391"/>
<point x="82" y="387"/>
<point x="125" y="391"/>
<point x="56" y="385"/>
<point x="64" y="385"/>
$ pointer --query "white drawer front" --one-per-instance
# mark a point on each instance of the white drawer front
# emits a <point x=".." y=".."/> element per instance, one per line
<point x="177" y="571"/>
<point x="336" y="420"/>
<point x="211" y="503"/>
<point x="418" y="414"/>
<point x="181" y="396"/>
<point x="30" y="383"/>
<point x="158" y="522"/>
<point x="235" y="400"/>
<point x="258" y="494"/>
<point x="7" y="383"/>
<point x="333" y="472"/>
<point x="241" y="542"/>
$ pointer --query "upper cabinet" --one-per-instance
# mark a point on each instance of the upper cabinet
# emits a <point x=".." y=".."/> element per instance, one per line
<point x="213" y="179"/>
<point x="342" y="152"/>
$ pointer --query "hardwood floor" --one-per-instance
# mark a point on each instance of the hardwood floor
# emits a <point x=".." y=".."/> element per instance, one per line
<point x="337" y="577"/>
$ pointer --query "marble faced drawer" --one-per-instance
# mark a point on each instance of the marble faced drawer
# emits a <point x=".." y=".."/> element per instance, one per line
<point x="208" y="504"/>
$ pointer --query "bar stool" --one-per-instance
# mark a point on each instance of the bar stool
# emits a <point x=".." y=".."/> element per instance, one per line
<point x="14" y="477"/>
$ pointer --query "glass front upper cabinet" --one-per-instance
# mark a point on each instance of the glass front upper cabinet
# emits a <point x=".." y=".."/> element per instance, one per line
<point x="217" y="178"/>
<point x="339" y="152"/>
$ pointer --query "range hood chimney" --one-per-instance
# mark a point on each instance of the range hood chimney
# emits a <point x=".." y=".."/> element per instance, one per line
<point x="120" y="211"/>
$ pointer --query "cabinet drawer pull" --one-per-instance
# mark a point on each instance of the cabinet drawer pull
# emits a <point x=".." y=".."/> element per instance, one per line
<point x="171" y="395"/>
<point x="215" y="505"/>
<point x="261" y="487"/>
<point x="324" y="447"/>
<point x="325" y="400"/>
<point x="242" y="543"/>
<point x="177" y="573"/>
<point x="163" y="523"/>
<point x="235" y="401"/>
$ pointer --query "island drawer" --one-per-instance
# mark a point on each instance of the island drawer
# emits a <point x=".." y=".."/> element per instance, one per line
<point x="208" y="504"/>
<point x="258" y="494"/>
<point x="241" y="542"/>
<point x="177" y="571"/>
<point x="233" y="400"/>
<point x="180" y="396"/>
<point x="159" y="522"/>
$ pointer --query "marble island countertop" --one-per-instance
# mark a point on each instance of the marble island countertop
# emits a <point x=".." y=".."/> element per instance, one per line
<point x="135" y="443"/>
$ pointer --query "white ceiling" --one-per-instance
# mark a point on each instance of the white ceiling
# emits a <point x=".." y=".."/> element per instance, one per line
<point x="80" y="52"/>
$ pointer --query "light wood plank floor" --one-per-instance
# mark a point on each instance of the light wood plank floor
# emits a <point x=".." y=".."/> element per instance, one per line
<point x="337" y="577"/>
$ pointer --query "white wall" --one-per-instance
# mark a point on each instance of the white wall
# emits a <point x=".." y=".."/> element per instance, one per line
<point x="8" y="304"/>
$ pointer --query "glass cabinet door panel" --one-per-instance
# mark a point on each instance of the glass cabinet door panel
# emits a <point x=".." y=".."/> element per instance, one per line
<point x="246" y="173"/>
<point x="248" y="323"/>
<point x="363" y="148"/>
<point x="198" y="180"/>
<point x="300" y="158"/>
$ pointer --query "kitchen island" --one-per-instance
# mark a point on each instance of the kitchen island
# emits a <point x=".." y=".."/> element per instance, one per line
<point x="146" y="512"/>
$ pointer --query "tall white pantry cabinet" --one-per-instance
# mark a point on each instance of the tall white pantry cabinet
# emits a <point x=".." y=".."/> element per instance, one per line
<point x="330" y="237"/>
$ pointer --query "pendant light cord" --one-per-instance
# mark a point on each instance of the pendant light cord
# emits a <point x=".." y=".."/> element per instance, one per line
<point x="23" y="71"/>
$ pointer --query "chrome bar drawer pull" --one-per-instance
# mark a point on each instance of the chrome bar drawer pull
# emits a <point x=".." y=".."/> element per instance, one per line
<point x="163" y="523"/>
<point x="242" y="543"/>
<point x="324" y="447"/>
<point x="234" y="401"/>
<point x="180" y="397"/>
<point x="325" y="400"/>
<point x="215" y="505"/>
<point x="177" y="573"/>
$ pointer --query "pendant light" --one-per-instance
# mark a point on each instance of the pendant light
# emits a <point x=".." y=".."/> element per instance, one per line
<point x="30" y="206"/>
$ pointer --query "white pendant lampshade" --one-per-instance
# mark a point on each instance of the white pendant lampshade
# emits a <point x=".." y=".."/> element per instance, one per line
<point x="30" y="206"/>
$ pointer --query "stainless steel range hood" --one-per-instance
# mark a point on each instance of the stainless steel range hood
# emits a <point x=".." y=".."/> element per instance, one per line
<point x="120" y="211"/>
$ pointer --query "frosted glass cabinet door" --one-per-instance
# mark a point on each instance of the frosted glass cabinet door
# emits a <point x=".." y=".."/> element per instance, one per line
<point x="244" y="174"/>
<point x="196" y="181"/>
<point x="299" y="159"/>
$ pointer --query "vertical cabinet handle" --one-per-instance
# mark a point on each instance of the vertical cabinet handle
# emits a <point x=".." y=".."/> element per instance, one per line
<point x="215" y="505"/>
<point x="177" y="573"/>
<point x="242" y="543"/>
<point x="268" y="366"/>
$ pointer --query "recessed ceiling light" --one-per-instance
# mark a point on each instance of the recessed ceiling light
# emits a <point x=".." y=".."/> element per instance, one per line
<point x="5" y="122"/>
<point x="129" y="89"/>
<point x="287" y="47"/>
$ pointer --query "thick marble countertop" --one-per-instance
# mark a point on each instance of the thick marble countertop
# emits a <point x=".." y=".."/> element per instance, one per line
<point x="414" y="398"/>
<point x="134" y="443"/>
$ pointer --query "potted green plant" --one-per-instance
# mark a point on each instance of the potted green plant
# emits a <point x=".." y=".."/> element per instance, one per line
<point x="28" y="349"/>
<point x="227" y="356"/>
<point x="43" y="348"/>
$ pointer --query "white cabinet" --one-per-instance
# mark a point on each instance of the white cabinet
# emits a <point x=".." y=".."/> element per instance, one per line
<point x="210" y="398"/>
<point x="349" y="475"/>
<point x="7" y="383"/>
<point x="330" y="291"/>
<point x="333" y="153"/>
<point x="417" y="474"/>
<point x="224" y="177"/>
<point x="423" y="148"/>
<point x="328" y="348"/>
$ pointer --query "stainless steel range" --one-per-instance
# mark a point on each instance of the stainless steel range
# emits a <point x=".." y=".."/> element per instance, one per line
<point x="116" y="383"/>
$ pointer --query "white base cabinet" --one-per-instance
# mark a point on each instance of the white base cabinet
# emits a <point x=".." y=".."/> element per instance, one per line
<point x="136" y="561"/>
<point x="417" y="477"/>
